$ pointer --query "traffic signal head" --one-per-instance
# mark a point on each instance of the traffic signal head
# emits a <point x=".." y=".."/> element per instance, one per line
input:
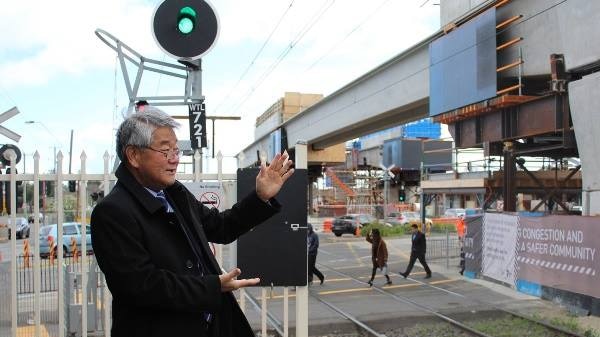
<point x="402" y="196"/>
<point x="185" y="29"/>
<point x="186" y="21"/>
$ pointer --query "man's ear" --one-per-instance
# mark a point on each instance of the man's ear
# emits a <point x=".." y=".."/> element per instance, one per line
<point x="133" y="156"/>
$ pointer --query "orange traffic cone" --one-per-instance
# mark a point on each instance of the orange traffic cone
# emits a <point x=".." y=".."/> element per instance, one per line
<point x="52" y="248"/>
<point x="327" y="225"/>
<point x="357" y="231"/>
<point x="26" y="253"/>
<point x="74" y="250"/>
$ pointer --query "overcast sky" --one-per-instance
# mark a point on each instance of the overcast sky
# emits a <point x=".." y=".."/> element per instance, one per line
<point x="60" y="75"/>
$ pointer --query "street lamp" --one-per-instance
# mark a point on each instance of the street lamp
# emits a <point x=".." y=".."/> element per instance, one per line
<point x="51" y="134"/>
<point x="57" y="141"/>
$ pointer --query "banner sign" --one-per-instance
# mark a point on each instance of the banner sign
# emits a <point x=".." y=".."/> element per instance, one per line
<point x="499" y="246"/>
<point x="560" y="252"/>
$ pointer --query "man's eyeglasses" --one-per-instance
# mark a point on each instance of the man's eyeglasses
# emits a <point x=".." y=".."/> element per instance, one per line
<point x="169" y="154"/>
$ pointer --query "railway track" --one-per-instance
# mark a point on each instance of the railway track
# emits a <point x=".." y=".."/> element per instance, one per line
<point x="557" y="331"/>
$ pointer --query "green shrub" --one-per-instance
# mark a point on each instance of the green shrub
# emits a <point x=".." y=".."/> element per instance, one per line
<point x="384" y="230"/>
<point x="442" y="227"/>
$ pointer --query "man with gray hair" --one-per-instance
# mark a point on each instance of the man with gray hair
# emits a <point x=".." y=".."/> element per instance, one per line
<point x="150" y="237"/>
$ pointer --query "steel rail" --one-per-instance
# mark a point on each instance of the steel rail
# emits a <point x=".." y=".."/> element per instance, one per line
<point x="348" y="316"/>
<point x="413" y="303"/>
<point x="275" y="323"/>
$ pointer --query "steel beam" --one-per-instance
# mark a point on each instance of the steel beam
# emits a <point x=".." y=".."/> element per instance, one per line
<point x="508" y="183"/>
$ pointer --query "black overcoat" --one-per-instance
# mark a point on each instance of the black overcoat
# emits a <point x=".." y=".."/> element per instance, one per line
<point x="149" y="263"/>
<point x="419" y="244"/>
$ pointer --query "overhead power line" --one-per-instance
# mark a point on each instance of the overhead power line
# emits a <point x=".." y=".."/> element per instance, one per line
<point x="356" y="28"/>
<point x="318" y="15"/>
<point x="245" y="72"/>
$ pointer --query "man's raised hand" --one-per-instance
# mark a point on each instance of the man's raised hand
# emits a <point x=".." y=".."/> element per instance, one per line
<point x="270" y="179"/>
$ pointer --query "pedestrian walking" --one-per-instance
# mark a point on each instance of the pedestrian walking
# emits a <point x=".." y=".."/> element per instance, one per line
<point x="461" y="228"/>
<point x="417" y="251"/>
<point x="462" y="259"/>
<point x="379" y="255"/>
<point x="313" y="248"/>
<point x="461" y="241"/>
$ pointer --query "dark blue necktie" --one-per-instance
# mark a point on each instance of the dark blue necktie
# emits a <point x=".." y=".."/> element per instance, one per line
<point x="163" y="200"/>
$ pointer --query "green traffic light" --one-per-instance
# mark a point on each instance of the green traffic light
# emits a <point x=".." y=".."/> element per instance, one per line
<point x="186" y="20"/>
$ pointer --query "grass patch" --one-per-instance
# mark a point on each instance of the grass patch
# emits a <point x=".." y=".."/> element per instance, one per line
<point x="438" y="330"/>
<point x="569" y="323"/>
<point x="510" y="326"/>
<point x="591" y="333"/>
<point x="443" y="227"/>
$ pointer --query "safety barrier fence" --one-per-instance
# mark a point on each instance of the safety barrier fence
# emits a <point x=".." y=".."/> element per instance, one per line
<point x="48" y="299"/>
<point x="49" y="273"/>
<point x="443" y="247"/>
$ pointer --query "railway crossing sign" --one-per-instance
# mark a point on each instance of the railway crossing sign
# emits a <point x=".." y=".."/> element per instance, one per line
<point x="4" y="117"/>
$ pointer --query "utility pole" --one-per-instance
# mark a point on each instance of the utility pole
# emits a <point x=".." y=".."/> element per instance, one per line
<point x="24" y="189"/>
<point x="77" y="183"/>
<point x="386" y="192"/>
<point x="70" y="151"/>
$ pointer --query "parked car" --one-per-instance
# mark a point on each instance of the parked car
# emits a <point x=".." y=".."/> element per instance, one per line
<point x="415" y="218"/>
<point x="70" y="230"/>
<point x="406" y="218"/>
<point x="473" y="211"/>
<point x="577" y="208"/>
<point x="22" y="228"/>
<point x="455" y="213"/>
<point x="349" y="222"/>
<point x="395" y="219"/>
